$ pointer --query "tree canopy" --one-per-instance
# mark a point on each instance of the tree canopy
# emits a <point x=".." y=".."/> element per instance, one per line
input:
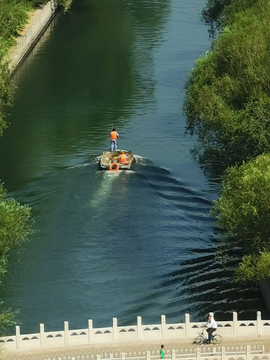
<point x="227" y="99"/>
<point x="15" y="227"/>
<point x="244" y="211"/>
<point x="227" y="106"/>
<point x="243" y="208"/>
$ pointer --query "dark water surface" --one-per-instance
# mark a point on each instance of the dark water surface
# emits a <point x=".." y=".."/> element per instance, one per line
<point x="123" y="244"/>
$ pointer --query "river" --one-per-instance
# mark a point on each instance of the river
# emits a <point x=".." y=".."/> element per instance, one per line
<point x="121" y="244"/>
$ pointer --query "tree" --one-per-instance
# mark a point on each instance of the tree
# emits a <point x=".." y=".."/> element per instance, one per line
<point x="15" y="227"/>
<point x="244" y="205"/>
<point x="227" y="99"/>
<point x="218" y="14"/>
<point x="254" y="267"/>
<point x="243" y="210"/>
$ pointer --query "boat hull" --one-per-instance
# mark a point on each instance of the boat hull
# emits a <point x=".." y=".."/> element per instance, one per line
<point x="108" y="158"/>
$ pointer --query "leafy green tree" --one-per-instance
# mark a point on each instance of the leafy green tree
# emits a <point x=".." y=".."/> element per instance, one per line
<point x="218" y="14"/>
<point x="254" y="267"/>
<point x="227" y="106"/>
<point x="227" y="99"/>
<point x="14" y="222"/>
<point x="243" y="210"/>
<point x="7" y="318"/>
<point x="15" y="227"/>
<point x="244" y="205"/>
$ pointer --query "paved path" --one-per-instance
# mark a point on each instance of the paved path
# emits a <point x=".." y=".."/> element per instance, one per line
<point x="135" y="349"/>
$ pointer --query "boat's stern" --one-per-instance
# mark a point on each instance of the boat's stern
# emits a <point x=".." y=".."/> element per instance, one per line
<point x="108" y="158"/>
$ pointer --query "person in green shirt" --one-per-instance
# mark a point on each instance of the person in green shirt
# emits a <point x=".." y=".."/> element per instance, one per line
<point x="162" y="355"/>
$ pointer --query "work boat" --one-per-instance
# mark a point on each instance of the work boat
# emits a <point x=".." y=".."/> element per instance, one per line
<point x="109" y="160"/>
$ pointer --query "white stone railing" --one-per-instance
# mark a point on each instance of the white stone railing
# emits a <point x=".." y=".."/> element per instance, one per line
<point x="132" y="334"/>
<point x="228" y="352"/>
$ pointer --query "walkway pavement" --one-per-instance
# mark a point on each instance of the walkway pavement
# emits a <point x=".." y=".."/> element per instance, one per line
<point x="134" y="349"/>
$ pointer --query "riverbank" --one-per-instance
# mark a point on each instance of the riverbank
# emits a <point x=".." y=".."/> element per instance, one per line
<point x="31" y="33"/>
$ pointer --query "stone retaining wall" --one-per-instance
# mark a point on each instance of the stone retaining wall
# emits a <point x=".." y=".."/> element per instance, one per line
<point x="37" y="24"/>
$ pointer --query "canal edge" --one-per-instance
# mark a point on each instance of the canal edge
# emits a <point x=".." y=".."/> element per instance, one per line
<point x="36" y="25"/>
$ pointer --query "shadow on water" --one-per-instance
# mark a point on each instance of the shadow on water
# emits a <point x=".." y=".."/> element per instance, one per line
<point x="209" y="279"/>
<point x="198" y="282"/>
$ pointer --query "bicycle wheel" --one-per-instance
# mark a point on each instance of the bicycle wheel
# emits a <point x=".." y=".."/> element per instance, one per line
<point x="216" y="339"/>
<point x="198" y="340"/>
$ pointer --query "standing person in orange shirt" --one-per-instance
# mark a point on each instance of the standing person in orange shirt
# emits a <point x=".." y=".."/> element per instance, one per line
<point x="114" y="136"/>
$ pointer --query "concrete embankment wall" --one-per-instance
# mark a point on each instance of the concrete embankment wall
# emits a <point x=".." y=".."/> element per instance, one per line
<point x="31" y="33"/>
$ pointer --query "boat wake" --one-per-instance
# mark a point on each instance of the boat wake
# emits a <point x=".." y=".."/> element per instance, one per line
<point x="140" y="159"/>
<point x="106" y="184"/>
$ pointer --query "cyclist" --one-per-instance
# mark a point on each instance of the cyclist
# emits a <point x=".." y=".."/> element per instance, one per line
<point x="211" y="326"/>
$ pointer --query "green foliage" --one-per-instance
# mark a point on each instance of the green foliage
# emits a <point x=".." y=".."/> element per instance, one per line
<point x="228" y="106"/>
<point x="13" y="16"/>
<point x="15" y="227"/>
<point x="14" y="223"/>
<point x="218" y="14"/>
<point x="227" y="99"/>
<point x="254" y="267"/>
<point x="7" y="318"/>
<point x="244" y="205"/>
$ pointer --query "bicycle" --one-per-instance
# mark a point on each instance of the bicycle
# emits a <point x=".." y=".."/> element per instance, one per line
<point x="202" y="339"/>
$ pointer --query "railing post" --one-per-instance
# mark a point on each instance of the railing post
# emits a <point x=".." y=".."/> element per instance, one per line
<point x="235" y="323"/>
<point x="148" y="357"/>
<point x="115" y="330"/>
<point x="187" y="325"/>
<point x="41" y="335"/>
<point x="18" y="337"/>
<point x="139" y="328"/>
<point x="198" y="354"/>
<point x="173" y="354"/>
<point x="223" y="353"/>
<point x="163" y="327"/>
<point x="248" y="357"/>
<point x="66" y="332"/>
<point x="259" y="323"/>
<point x="90" y="329"/>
